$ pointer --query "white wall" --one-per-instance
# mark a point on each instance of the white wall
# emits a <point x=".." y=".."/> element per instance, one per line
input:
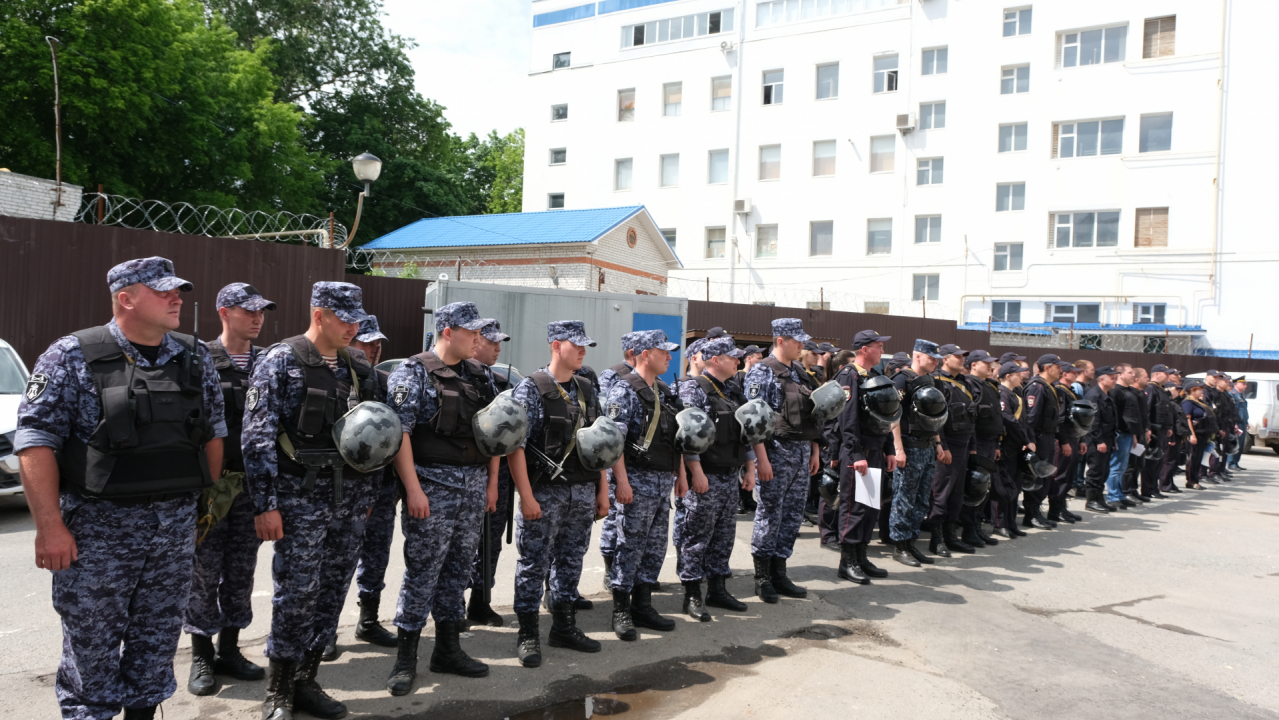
<point x="33" y="197"/>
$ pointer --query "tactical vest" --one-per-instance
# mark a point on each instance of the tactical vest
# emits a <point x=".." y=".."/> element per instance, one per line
<point x="1165" y="413"/>
<point x="660" y="454"/>
<point x="235" y="382"/>
<point x="795" y="419"/>
<point x="1066" y="397"/>
<point x="989" y="422"/>
<point x="1047" y="423"/>
<point x="325" y="399"/>
<point x="728" y="453"/>
<point x="447" y="438"/>
<point x="561" y="420"/>
<point x="1207" y="425"/>
<point x="150" y="437"/>
<point x="1018" y="405"/>
<point x="910" y="422"/>
<point x="960" y="405"/>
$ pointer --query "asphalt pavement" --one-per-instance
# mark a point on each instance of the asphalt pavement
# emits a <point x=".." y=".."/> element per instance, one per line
<point x="1167" y="611"/>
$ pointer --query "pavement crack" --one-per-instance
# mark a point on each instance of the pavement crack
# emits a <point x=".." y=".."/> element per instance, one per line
<point x="1111" y="610"/>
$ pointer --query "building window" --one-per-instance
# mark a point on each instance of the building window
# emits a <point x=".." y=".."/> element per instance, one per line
<point x="1014" y="80"/>
<point x="1156" y="133"/>
<point x="1007" y="257"/>
<point x="765" y="241"/>
<point x="626" y="105"/>
<point x="935" y="61"/>
<point x="559" y="156"/>
<point x="821" y="237"/>
<point x="714" y="242"/>
<point x="1152" y="227"/>
<point x="1092" y="47"/>
<point x="927" y="229"/>
<point x="823" y="158"/>
<point x="1159" y="37"/>
<point x="773" y="87"/>
<point x="559" y="112"/>
<point x="1017" y="22"/>
<point x="932" y="116"/>
<point x="882" y="151"/>
<point x="672" y="99"/>
<point x="622" y="174"/>
<point x="1086" y="139"/>
<point x="1005" y="311"/>
<point x="670" y="171"/>
<point x="926" y="287"/>
<point x="721" y="94"/>
<point x="885" y="74"/>
<point x="669" y="234"/>
<point x="879" y="236"/>
<point x="1147" y="313"/>
<point x="929" y="172"/>
<point x="1089" y="342"/>
<point x="875" y="307"/>
<point x="680" y="28"/>
<point x="1010" y="196"/>
<point x="1075" y="312"/>
<point x="561" y="60"/>
<point x="555" y="201"/>
<point x="1086" y="228"/>
<point x="827" y="81"/>
<point x="770" y="162"/>
<point x="717" y="167"/>
<point x="1012" y="138"/>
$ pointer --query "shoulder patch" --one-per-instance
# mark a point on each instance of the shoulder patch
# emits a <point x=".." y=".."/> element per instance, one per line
<point x="36" y="387"/>
<point x="614" y="409"/>
<point x="251" y="397"/>
<point x="848" y="393"/>
<point x="752" y="391"/>
<point x="399" y="395"/>
<point x="1030" y="400"/>
<point x="295" y="373"/>
<point x="1003" y="405"/>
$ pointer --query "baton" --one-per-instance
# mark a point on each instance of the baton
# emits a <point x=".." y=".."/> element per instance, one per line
<point x="488" y="556"/>
<point x="510" y="512"/>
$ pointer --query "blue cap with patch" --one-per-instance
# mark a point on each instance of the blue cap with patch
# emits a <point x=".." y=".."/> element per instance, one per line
<point x="720" y="346"/>
<point x="344" y="299"/>
<point x="460" y="314"/>
<point x="638" y="342"/>
<point x="696" y="346"/>
<point x="369" y="330"/>
<point x="573" y="331"/>
<point x="245" y="296"/>
<point x="154" y="272"/>
<point x="790" y="327"/>
<point x="493" y="332"/>
<point x="928" y="347"/>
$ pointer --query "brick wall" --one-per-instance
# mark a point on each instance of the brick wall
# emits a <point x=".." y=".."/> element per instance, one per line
<point x="31" y="197"/>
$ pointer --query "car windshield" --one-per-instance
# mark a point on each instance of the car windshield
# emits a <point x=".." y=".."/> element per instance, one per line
<point x="12" y="377"/>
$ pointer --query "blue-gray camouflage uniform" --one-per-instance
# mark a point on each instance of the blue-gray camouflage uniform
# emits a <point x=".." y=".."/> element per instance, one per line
<point x="501" y="513"/>
<point x="780" y="511"/>
<point x="609" y="529"/>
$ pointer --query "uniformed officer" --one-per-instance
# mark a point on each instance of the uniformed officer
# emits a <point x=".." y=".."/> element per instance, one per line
<point x="609" y="529"/>
<point x="751" y="354"/>
<point x="117" y="526"/>
<point x="957" y="437"/>
<point x="1216" y="384"/>
<point x="644" y="409"/>
<point x="988" y="430"/>
<point x="1071" y="449"/>
<point x="918" y="452"/>
<point x="786" y="462"/>
<point x="1016" y="440"/>
<point x="226" y="556"/>
<point x="706" y="527"/>
<point x="1239" y="395"/>
<point x="1101" y="440"/>
<point x="1203" y="429"/>
<point x="447" y="485"/>
<point x="559" y="498"/>
<point x="1042" y="417"/>
<point x="1180" y="434"/>
<point x="1162" y="421"/>
<point x="1143" y="436"/>
<point x="298" y="389"/>
<point x="898" y="361"/>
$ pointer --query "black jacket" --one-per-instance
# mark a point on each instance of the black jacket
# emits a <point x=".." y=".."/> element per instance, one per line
<point x="1128" y="411"/>
<point x="1105" y="426"/>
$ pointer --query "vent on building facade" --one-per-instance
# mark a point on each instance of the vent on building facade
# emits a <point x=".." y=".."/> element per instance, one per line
<point x="742" y="206"/>
<point x="906" y="122"/>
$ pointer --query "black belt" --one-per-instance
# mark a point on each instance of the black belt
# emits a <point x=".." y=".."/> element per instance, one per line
<point x="147" y="499"/>
<point x="914" y="444"/>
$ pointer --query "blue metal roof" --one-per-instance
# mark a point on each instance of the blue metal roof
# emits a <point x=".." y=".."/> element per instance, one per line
<point x="535" y="228"/>
<point x="1045" y="327"/>
<point x="1255" y="354"/>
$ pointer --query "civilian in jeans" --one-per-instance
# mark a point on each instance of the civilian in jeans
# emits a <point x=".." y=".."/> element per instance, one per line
<point x="1100" y="440"/>
<point x="1128" y="424"/>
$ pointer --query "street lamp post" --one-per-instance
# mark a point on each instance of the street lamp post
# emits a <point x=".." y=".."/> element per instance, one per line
<point x="367" y="169"/>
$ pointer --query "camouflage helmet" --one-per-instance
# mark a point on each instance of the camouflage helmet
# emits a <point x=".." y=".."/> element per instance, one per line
<point x="501" y="426"/>
<point x="369" y="436"/>
<point x="828" y="401"/>
<point x="757" y="420"/>
<point x="600" y="445"/>
<point x="695" y="432"/>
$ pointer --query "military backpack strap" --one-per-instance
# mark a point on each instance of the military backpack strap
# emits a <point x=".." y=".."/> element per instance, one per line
<point x="97" y="344"/>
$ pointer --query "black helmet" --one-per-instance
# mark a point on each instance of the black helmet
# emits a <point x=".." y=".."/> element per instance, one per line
<point x="1030" y="463"/>
<point x="977" y="480"/>
<point x="1230" y="444"/>
<point x="828" y="486"/>
<point x="930" y="408"/>
<point x="882" y="403"/>
<point x="1154" y="451"/>
<point x="1083" y="413"/>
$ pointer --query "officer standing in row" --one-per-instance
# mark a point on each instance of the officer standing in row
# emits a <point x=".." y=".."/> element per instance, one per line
<point x="1203" y="429"/>
<point x="988" y="430"/>
<point x="226" y="556"/>
<point x="1016" y="440"/>
<point x="1162" y="419"/>
<point x="115" y="507"/>
<point x="609" y="529"/>
<point x="1239" y="395"/>
<point x="1042" y="416"/>
<point x="919" y="449"/>
<point x="1101" y="440"/>
<point x="1072" y="450"/>
<point x="957" y="436"/>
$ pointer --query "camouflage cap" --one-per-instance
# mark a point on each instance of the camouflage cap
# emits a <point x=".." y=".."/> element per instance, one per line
<point x="369" y="330"/>
<point x="638" y="342"/>
<point x="928" y="347"/>
<point x="344" y="299"/>
<point x="573" y="331"/>
<point x="154" y="272"/>
<point x="459" y="314"/>
<point x="790" y="327"/>
<point x="720" y="346"/>
<point x="696" y="346"/>
<point x="493" y="332"/>
<point x="245" y="296"/>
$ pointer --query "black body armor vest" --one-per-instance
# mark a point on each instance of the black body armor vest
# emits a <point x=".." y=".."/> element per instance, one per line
<point x="561" y="420"/>
<point x="447" y="438"/>
<point x="795" y="421"/>
<point x="1047" y="420"/>
<point x="1205" y="426"/>
<point x="660" y="454"/>
<point x="728" y="453"/>
<point x="960" y="407"/>
<point x="989" y="421"/>
<point x="910" y="422"/>
<point x="325" y="398"/>
<point x="235" y="382"/>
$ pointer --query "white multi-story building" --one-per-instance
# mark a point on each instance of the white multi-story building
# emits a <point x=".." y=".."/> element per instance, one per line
<point x="1051" y="164"/>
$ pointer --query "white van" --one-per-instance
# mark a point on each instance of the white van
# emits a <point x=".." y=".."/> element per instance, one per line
<point x="13" y="382"/>
<point x="1263" y="408"/>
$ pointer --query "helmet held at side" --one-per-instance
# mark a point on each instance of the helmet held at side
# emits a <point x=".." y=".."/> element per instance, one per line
<point x="368" y="436"/>
<point x="500" y="426"/>
<point x="695" y="431"/>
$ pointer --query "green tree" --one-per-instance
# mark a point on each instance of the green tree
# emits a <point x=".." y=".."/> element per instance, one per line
<point x="506" y="193"/>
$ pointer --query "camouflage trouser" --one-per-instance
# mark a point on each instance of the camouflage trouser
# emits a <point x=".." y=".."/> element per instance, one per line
<point x="706" y="529"/>
<point x="609" y="532"/>
<point x="912" y="488"/>
<point x="222" y="583"/>
<point x="497" y="528"/>
<point x="375" y="552"/>
<point x="440" y="550"/>
<point x="781" y="500"/>
<point x="121" y="603"/>
<point x="641" y="541"/>
<point x="555" y="543"/>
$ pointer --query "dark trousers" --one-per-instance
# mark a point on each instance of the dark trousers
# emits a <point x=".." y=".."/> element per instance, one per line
<point x="948" y="482"/>
<point x="1098" y="467"/>
<point x="1152" y="470"/>
<point x="1194" y="467"/>
<point x="855" y="522"/>
<point x="1176" y="455"/>
<point x="1046" y="449"/>
<point x="1064" y="480"/>
<point x="1005" y="489"/>
<point x="974" y="514"/>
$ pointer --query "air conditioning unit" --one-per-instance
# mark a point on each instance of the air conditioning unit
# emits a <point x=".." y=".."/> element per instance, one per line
<point x="906" y="122"/>
<point x="742" y="207"/>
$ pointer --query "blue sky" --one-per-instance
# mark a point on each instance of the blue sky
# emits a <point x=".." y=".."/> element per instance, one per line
<point x="472" y="57"/>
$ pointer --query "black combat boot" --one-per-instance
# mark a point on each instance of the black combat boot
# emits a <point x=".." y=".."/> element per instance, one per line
<point x="564" y="630"/>
<point x="448" y="655"/>
<point x="917" y="553"/>
<point x="1001" y="532"/>
<point x="848" y="567"/>
<point x="642" y="612"/>
<point x="331" y="652"/>
<point x="201" y="680"/>
<point x="902" y="554"/>
<point x="937" y="542"/>
<point x="623" y="623"/>
<point x="984" y="537"/>
<point x="969" y="536"/>
<point x="479" y="612"/>
<point x="1054" y="511"/>
<point x="405" y="670"/>
<point x="279" y="690"/>
<point x="608" y="572"/>
<point x="764" y="580"/>
<point x="145" y="713"/>
<point x="693" y="605"/>
<point x="307" y="693"/>
<point x="717" y="595"/>
<point x="369" y="628"/>
<point x="230" y="661"/>
<point x="782" y="583"/>
<point x="866" y="565"/>
<point x="1035" y="519"/>
<point x="528" y="644"/>
<point x="954" y="544"/>
<point x="581" y="603"/>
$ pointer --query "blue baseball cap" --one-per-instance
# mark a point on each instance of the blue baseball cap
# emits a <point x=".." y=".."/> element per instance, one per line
<point x="245" y="296"/>
<point x="344" y="299"/>
<point x="573" y="331"/>
<point x="154" y="272"/>
<point x="369" y="330"/>
<point x="790" y="327"/>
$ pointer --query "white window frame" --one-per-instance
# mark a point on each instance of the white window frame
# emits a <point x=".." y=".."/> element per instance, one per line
<point x="931" y="290"/>
<point x="1070" y="46"/>
<point x="710" y="164"/>
<point x="666" y="96"/>
<point x="1051" y="314"/>
<point x="1141" y="131"/>
<point x="929" y="231"/>
<point x="723" y="242"/>
<point x="1071" y="130"/>
<point x="622" y="109"/>
<point x="1022" y="20"/>
<point x="889" y="81"/>
<point x="834" y="146"/>
<point x="1012" y="196"/>
<point x="559" y="105"/>
<point x="617" y="175"/>
<point x="773" y="93"/>
<point x="1012" y="73"/>
<point x="892" y="155"/>
<point x="1069" y="221"/>
<point x="1148" y="313"/>
<point x="685" y="27"/>
<point x="1008" y="254"/>
<point x="663" y="160"/>
<point x="760" y="232"/>
<point x="728" y="105"/>
<point x="1012" y="132"/>
<point x="869" y="230"/>
<point x="929" y="170"/>
<point x="833" y="94"/>
<point x="1008" y="305"/>
<point x="812" y="238"/>
<point x="568" y="61"/>
<point x="928" y="114"/>
<point x="550" y="201"/>
<point x="762" y="148"/>
<point x="941" y="56"/>
<point x="551" y="156"/>
<point x="669" y="238"/>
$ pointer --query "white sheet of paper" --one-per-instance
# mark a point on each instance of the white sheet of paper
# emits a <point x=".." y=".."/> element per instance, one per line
<point x="867" y="487"/>
<point x="1138" y="449"/>
<point x="1207" y="455"/>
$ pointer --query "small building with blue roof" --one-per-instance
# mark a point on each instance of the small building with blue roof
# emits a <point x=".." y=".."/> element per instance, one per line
<point x="618" y="249"/>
